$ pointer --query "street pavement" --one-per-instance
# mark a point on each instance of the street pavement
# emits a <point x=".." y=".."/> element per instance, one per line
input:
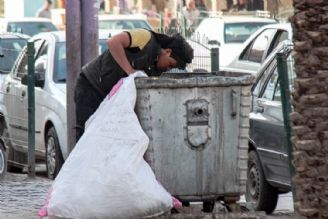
<point x="21" y="198"/>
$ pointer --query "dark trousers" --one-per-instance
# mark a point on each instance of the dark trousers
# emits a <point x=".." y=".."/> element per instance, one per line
<point x="87" y="99"/>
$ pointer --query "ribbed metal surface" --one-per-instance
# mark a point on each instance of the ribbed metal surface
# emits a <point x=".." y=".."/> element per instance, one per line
<point x="198" y="134"/>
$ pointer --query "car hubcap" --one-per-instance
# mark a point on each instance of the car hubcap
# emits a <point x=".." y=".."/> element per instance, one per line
<point x="253" y="183"/>
<point x="2" y="162"/>
<point x="51" y="155"/>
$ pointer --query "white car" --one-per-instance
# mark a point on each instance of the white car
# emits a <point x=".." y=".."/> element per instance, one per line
<point x="50" y="104"/>
<point x="228" y="32"/>
<point x="27" y="25"/>
<point x="123" y="22"/>
<point x="259" y="46"/>
<point x="10" y="46"/>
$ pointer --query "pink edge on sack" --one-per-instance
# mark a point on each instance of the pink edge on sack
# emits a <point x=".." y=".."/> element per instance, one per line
<point x="115" y="88"/>
<point x="43" y="211"/>
<point x="176" y="203"/>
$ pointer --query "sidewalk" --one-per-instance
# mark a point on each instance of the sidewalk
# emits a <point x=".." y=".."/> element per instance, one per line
<point x="22" y="197"/>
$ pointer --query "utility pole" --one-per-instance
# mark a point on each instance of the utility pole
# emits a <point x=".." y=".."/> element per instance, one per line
<point x="81" y="47"/>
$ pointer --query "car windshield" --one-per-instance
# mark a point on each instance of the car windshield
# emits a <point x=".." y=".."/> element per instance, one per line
<point x="123" y="24"/>
<point x="9" y="50"/>
<point x="31" y="28"/>
<point x="60" y="70"/>
<point x="239" y="32"/>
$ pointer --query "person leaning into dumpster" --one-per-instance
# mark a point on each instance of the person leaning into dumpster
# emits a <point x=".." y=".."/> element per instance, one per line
<point x="129" y="51"/>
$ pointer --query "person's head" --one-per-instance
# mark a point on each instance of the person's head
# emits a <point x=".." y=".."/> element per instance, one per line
<point x="48" y="3"/>
<point x="175" y="53"/>
<point x="191" y="5"/>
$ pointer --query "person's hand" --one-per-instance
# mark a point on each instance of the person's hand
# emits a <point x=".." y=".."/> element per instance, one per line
<point x="131" y="71"/>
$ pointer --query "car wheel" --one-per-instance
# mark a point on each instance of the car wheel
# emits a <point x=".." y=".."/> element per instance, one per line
<point x="3" y="160"/>
<point x="54" y="157"/>
<point x="259" y="192"/>
<point x="10" y="154"/>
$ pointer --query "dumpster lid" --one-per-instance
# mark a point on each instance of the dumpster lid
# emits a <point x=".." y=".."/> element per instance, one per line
<point x="191" y="79"/>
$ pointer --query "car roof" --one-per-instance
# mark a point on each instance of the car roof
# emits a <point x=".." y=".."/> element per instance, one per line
<point x="238" y="19"/>
<point x="13" y="35"/>
<point x="283" y="26"/>
<point x="279" y="26"/>
<point x="122" y="17"/>
<point x="60" y="36"/>
<point x="25" y="19"/>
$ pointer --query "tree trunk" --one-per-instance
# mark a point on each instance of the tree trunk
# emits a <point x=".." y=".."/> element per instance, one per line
<point x="310" y="100"/>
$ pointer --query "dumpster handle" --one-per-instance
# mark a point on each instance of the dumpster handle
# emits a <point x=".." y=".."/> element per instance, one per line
<point x="234" y="98"/>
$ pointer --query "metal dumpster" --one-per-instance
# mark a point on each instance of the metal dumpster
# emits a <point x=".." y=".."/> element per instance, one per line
<point x="198" y="129"/>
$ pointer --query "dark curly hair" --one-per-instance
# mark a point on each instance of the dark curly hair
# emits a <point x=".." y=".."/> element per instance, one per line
<point x="182" y="52"/>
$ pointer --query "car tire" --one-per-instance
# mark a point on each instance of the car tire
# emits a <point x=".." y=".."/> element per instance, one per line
<point x="259" y="192"/>
<point x="10" y="154"/>
<point x="54" y="157"/>
<point x="3" y="160"/>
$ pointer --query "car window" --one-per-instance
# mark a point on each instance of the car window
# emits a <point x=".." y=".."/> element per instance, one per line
<point x="41" y="60"/>
<point x="271" y="86"/>
<point x="263" y="78"/>
<point x="256" y="50"/>
<point x="291" y="77"/>
<point x="280" y="36"/>
<point x="10" y="48"/>
<point x="30" y="28"/>
<point x="22" y="67"/>
<point x="239" y="32"/>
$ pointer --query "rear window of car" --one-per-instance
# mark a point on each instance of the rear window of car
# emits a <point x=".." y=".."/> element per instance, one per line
<point x="239" y="32"/>
<point x="123" y="24"/>
<point x="31" y="28"/>
<point x="9" y="50"/>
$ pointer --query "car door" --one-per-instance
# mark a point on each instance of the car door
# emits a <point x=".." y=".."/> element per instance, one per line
<point x="267" y="128"/>
<point x="16" y="101"/>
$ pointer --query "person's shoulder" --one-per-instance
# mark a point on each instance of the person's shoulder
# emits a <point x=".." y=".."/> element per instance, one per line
<point x="139" y="31"/>
<point x="139" y="37"/>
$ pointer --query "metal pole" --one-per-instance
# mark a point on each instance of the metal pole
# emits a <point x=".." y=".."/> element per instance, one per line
<point x="74" y="60"/>
<point x="286" y="109"/>
<point x="89" y="30"/>
<point x="81" y="48"/>
<point x="214" y="59"/>
<point x="31" y="109"/>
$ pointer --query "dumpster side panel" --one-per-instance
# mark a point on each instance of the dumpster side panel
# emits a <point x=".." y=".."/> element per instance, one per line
<point x="245" y="105"/>
<point x="184" y="170"/>
<point x="230" y="136"/>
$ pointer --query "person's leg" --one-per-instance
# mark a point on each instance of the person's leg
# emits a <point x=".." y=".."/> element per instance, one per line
<point x="87" y="100"/>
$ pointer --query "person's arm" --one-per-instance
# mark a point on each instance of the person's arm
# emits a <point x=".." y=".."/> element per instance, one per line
<point x="116" y="45"/>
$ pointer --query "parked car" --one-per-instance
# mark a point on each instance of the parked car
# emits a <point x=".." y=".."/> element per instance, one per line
<point x="259" y="46"/>
<point x="10" y="46"/>
<point x="50" y="104"/>
<point x="268" y="168"/>
<point x="123" y="22"/>
<point x="26" y="25"/>
<point x="227" y="32"/>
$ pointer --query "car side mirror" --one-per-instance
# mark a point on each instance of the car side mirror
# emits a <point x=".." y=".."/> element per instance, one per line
<point x="39" y="79"/>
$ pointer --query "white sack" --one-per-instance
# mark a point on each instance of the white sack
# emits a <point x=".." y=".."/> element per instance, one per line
<point x="105" y="176"/>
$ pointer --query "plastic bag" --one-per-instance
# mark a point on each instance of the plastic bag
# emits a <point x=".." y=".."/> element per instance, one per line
<point x="105" y="176"/>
